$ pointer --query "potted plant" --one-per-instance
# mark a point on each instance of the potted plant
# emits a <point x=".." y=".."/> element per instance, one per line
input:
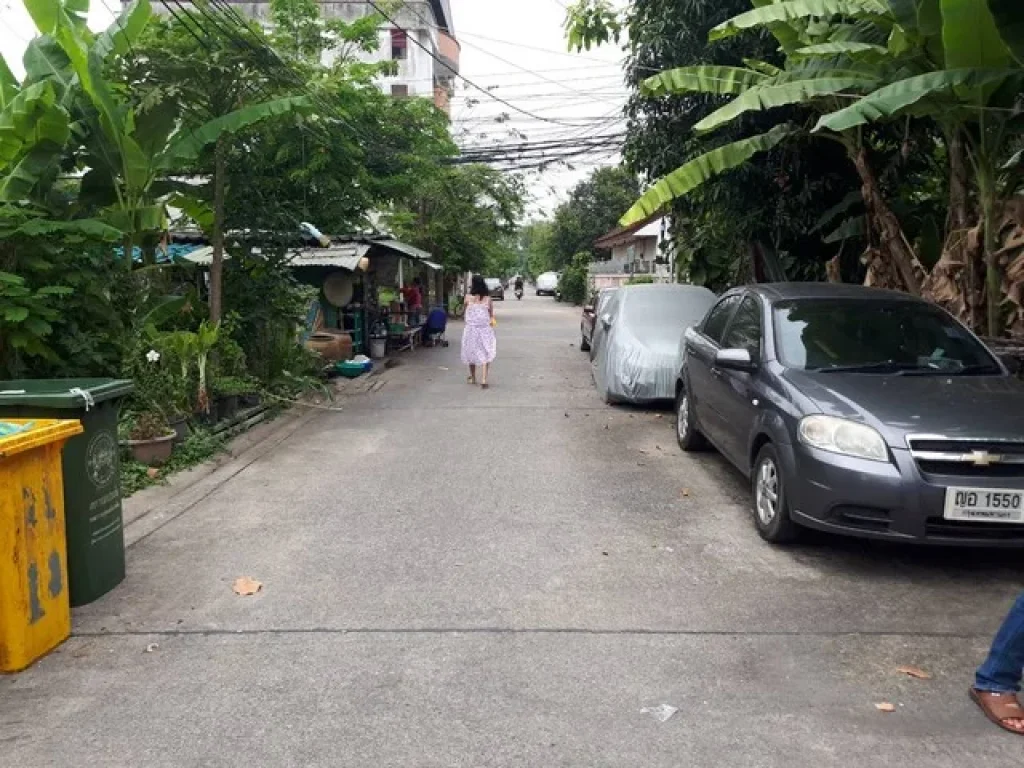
<point x="227" y="392"/>
<point x="151" y="439"/>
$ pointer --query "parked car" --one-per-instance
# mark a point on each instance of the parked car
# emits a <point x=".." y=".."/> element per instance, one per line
<point x="547" y="284"/>
<point x="857" y="411"/>
<point x="590" y="312"/>
<point x="637" y="337"/>
<point x="494" y="285"/>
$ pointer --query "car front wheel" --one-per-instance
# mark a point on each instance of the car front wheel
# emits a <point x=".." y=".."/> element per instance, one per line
<point x="768" y="496"/>
<point x="687" y="434"/>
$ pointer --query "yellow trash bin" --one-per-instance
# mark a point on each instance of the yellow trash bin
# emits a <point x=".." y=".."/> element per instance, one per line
<point x="35" y="613"/>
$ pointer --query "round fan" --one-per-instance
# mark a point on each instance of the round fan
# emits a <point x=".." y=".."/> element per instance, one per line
<point x="338" y="288"/>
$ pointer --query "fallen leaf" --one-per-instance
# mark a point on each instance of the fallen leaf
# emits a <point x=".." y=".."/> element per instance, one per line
<point x="885" y="706"/>
<point x="605" y="554"/>
<point x="686" y="491"/>
<point x="152" y="647"/>
<point x="643" y="450"/>
<point x="246" y="586"/>
<point x="606" y="426"/>
<point x="152" y="473"/>
<point x="658" y="447"/>
<point x="567" y="415"/>
<point x="915" y="672"/>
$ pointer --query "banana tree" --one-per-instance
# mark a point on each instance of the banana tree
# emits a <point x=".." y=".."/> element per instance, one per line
<point x="827" y="62"/>
<point x="975" y="50"/>
<point x="127" y="150"/>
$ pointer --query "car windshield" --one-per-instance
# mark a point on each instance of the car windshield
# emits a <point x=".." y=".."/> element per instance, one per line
<point x="872" y="336"/>
<point x="492" y="282"/>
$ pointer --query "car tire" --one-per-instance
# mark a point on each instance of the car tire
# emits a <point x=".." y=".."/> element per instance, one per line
<point x="687" y="434"/>
<point x="584" y="344"/>
<point x="771" y="515"/>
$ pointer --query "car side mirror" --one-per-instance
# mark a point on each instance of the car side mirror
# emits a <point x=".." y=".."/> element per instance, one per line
<point x="606" y="320"/>
<point x="588" y="309"/>
<point x="735" y="360"/>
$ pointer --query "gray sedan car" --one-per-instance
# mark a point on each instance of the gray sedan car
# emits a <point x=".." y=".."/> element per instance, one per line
<point x="857" y="411"/>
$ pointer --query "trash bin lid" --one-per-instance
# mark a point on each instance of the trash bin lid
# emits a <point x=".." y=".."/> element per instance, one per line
<point x="62" y="393"/>
<point x="37" y="433"/>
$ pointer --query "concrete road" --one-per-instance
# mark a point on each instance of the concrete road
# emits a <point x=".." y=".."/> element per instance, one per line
<point x="458" y="577"/>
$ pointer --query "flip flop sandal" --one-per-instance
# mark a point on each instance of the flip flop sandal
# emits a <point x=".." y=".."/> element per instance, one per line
<point x="470" y="380"/>
<point x="999" y="707"/>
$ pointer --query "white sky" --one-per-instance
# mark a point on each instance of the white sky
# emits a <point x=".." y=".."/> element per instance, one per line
<point x="515" y="48"/>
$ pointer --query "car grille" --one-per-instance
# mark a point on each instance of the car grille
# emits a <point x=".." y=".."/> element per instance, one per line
<point x="968" y="458"/>
<point x="964" y="529"/>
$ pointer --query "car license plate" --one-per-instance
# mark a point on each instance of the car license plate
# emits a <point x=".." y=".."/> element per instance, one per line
<point x="984" y="505"/>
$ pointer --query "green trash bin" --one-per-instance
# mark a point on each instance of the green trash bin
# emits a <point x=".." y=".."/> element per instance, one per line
<point x="92" y="473"/>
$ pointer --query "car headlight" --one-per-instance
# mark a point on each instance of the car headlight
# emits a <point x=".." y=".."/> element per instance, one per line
<point x="842" y="436"/>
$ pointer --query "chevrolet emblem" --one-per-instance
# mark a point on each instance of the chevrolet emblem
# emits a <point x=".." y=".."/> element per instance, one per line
<point x="983" y="458"/>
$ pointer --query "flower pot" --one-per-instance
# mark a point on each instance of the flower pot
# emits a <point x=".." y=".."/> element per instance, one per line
<point x="227" y="406"/>
<point x="207" y="418"/>
<point x="153" y="452"/>
<point x="180" y="426"/>
<point x="250" y="400"/>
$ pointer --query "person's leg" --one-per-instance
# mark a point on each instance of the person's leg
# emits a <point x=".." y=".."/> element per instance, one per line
<point x="998" y="680"/>
<point x="472" y="374"/>
<point x="483" y="379"/>
<point x="1002" y="670"/>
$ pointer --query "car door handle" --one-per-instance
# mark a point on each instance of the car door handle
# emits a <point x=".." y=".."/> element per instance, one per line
<point x="716" y="372"/>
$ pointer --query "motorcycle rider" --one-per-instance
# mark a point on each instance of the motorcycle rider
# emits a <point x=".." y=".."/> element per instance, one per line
<point x="519" y="286"/>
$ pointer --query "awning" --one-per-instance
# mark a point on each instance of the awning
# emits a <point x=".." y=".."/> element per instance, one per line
<point x="409" y="251"/>
<point x="342" y="255"/>
<point x="346" y="256"/>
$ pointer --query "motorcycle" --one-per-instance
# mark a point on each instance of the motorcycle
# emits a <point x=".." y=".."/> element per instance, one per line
<point x="519" y="294"/>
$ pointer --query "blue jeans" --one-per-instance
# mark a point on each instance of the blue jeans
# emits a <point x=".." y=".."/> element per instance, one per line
<point x="1002" y="670"/>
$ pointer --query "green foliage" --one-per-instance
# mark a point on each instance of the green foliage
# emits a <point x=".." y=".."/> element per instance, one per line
<point x="463" y="215"/>
<point x="640" y="280"/>
<point x="573" y="282"/>
<point x="235" y="385"/>
<point x="200" y="446"/>
<point x="593" y="208"/>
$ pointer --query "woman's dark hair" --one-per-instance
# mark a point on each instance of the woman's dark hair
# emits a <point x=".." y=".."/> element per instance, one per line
<point x="479" y="287"/>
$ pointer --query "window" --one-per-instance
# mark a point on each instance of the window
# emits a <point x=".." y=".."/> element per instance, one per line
<point x="399" y="45"/>
<point x="876" y="337"/>
<point x="714" y="325"/>
<point x="399" y="91"/>
<point x="745" y="329"/>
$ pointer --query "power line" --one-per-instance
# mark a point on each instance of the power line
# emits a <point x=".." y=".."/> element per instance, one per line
<point x="462" y="77"/>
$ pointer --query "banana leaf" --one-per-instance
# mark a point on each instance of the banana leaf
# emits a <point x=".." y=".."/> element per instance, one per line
<point x="902" y="95"/>
<point x="703" y="79"/>
<point x="797" y="10"/>
<point x="1009" y="19"/>
<point x="700" y="170"/>
<point x="771" y="96"/>
<point x="186" y="145"/>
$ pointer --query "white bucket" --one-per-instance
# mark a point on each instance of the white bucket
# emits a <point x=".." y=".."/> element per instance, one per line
<point x="378" y="348"/>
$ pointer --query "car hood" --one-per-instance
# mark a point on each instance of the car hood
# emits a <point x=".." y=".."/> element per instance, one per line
<point x="953" y="406"/>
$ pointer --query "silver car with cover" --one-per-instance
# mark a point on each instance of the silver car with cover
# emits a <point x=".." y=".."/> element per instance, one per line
<point x="636" y="340"/>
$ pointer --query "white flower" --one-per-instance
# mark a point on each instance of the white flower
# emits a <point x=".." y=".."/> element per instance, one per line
<point x="153" y="356"/>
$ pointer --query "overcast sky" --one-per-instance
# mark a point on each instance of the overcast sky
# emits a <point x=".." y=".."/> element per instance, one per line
<point x="513" y="48"/>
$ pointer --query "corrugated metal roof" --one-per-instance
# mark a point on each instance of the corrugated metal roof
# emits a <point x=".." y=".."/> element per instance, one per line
<point x="346" y="255"/>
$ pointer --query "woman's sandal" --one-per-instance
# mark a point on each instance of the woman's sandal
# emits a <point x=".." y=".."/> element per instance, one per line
<point x="999" y="707"/>
<point x="470" y="380"/>
<point x="485" y="385"/>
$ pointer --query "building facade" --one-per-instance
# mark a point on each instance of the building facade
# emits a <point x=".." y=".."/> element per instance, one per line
<point x="421" y="42"/>
<point x="642" y="249"/>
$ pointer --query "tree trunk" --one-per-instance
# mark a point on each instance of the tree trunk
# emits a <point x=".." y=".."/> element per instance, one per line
<point x="993" y="282"/>
<point x="128" y="245"/>
<point x="892" y="241"/>
<point x="217" y="258"/>
<point x="953" y="282"/>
